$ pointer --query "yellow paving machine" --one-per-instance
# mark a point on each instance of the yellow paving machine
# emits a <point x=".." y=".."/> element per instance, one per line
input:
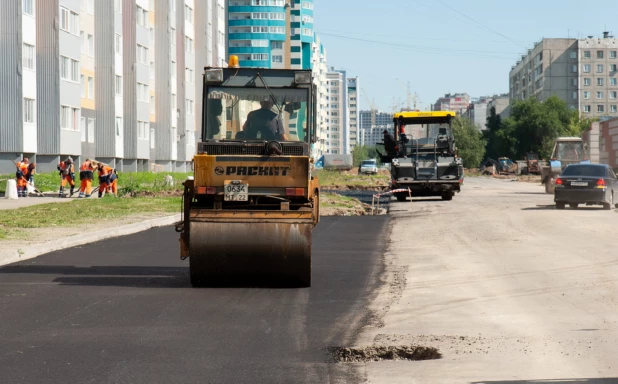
<point x="250" y="208"/>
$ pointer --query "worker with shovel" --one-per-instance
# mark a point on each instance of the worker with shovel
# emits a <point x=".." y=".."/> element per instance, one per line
<point x="67" y="175"/>
<point x="85" y="176"/>
<point x="107" y="180"/>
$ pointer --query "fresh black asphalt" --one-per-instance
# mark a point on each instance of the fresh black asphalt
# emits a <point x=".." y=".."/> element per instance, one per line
<point x="123" y="311"/>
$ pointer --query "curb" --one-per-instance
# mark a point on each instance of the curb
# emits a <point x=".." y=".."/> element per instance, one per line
<point x="13" y="256"/>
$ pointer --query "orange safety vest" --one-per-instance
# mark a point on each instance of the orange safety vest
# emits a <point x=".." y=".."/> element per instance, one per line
<point x="86" y="166"/>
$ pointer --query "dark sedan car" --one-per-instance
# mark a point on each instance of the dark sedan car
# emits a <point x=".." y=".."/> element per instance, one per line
<point x="590" y="184"/>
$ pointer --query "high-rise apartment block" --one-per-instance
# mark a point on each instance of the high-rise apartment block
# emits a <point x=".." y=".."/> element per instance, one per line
<point x="372" y="125"/>
<point x="582" y="72"/>
<point x="457" y="102"/>
<point x="117" y="80"/>
<point x="353" y="101"/>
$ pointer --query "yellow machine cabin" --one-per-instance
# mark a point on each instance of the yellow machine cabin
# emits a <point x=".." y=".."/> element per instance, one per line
<point x="250" y="210"/>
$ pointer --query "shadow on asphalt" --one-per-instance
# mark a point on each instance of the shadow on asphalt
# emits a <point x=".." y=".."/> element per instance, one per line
<point x="608" y="380"/>
<point x="552" y="207"/>
<point x="525" y="193"/>
<point x="138" y="277"/>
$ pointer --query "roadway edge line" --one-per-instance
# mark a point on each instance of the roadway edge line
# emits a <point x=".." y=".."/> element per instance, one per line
<point x="17" y="255"/>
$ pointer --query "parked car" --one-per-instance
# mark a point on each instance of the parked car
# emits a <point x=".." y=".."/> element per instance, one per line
<point x="590" y="184"/>
<point x="368" y="166"/>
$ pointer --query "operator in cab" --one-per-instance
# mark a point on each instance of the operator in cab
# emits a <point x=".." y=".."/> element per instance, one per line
<point x="264" y="124"/>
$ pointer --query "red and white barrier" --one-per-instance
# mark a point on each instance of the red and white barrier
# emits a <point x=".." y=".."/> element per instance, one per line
<point x="376" y="207"/>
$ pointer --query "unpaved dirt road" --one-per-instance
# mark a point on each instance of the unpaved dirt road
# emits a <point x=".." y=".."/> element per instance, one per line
<point x="508" y="288"/>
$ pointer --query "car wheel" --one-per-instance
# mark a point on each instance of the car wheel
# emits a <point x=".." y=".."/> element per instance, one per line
<point x="560" y="205"/>
<point x="574" y="205"/>
<point x="609" y="206"/>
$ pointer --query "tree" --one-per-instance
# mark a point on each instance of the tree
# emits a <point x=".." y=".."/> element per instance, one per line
<point x="363" y="152"/>
<point x="469" y="141"/>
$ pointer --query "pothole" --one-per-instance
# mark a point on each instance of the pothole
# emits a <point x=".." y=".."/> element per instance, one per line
<point x="360" y="355"/>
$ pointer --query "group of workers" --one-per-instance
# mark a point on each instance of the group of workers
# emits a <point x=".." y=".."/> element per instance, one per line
<point x="108" y="177"/>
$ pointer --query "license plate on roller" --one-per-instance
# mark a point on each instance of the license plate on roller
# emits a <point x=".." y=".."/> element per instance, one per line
<point x="235" y="190"/>
<point x="579" y="183"/>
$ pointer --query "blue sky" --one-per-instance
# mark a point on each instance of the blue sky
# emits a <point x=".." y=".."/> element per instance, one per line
<point x="443" y="46"/>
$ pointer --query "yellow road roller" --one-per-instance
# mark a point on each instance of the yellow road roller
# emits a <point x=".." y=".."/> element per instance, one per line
<point x="250" y="209"/>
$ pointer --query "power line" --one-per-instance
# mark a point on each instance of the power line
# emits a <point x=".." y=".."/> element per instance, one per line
<point x="413" y="37"/>
<point x="481" y="24"/>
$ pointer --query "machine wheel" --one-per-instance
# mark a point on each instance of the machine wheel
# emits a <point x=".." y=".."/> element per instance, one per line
<point x="574" y="205"/>
<point x="447" y="196"/>
<point x="560" y="205"/>
<point x="401" y="196"/>
<point x="609" y="206"/>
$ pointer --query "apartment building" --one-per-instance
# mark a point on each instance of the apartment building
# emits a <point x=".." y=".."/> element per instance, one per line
<point x="501" y="104"/>
<point x="457" y="102"/>
<point x="114" y="80"/>
<point x="582" y="72"/>
<point x="353" y="101"/>
<point x="271" y="33"/>
<point x="320" y="71"/>
<point x="372" y="133"/>
<point x="477" y="112"/>
<point x="338" y="132"/>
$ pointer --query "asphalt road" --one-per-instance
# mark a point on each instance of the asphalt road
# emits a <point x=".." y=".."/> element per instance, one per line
<point x="122" y="311"/>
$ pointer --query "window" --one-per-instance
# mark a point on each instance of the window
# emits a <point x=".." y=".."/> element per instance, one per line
<point x="586" y="95"/>
<point x="173" y="36"/>
<point x="586" y="109"/>
<point x="143" y="129"/>
<point x="90" y="87"/>
<point x="613" y="108"/>
<point x="599" y="94"/>
<point x="612" y="54"/>
<point x="599" y="68"/>
<point x="82" y="128"/>
<point x="573" y="54"/>
<point x="118" y="85"/>
<point x="587" y="55"/>
<point x="307" y="32"/>
<point x="173" y="70"/>
<point x="118" y="44"/>
<point x="599" y="54"/>
<point x="152" y="138"/>
<point x="587" y="81"/>
<point x="119" y="126"/>
<point x="277" y="16"/>
<point x="612" y="81"/>
<point x="188" y="44"/>
<point x="28" y="7"/>
<point x="259" y="16"/>
<point x="28" y="56"/>
<point x="613" y="67"/>
<point x="90" y="45"/>
<point x="600" y="81"/>
<point x="142" y="17"/>
<point x="277" y="59"/>
<point x="118" y="6"/>
<point x="142" y="92"/>
<point x="613" y="95"/>
<point x="188" y="14"/>
<point x="69" y="69"/>
<point x="574" y="95"/>
<point x="574" y="82"/>
<point x="190" y="107"/>
<point x="69" y="21"/>
<point x="259" y="29"/>
<point x="277" y="45"/>
<point x="142" y="54"/>
<point x="600" y="108"/>
<point x="574" y="68"/>
<point x="69" y="118"/>
<point x="259" y="56"/>
<point x="83" y="85"/>
<point x="189" y="75"/>
<point x="307" y="5"/>
<point x="586" y="68"/>
<point x="91" y="130"/>
<point x="28" y="111"/>
<point x="277" y="30"/>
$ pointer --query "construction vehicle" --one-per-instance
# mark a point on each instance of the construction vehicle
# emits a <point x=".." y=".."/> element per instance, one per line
<point x="567" y="150"/>
<point x="531" y="165"/>
<point x="423" y="155"/>
<point x="250" y="208"/>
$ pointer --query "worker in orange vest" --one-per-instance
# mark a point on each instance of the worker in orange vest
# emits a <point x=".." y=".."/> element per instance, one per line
<point x="20" y="175"/>
<point x="67" y="175"/>
<point x="107" y="180"/>
<point x="86" y="174"/>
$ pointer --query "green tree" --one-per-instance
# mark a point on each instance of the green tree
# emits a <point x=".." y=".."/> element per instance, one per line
<point x="363" y="152"/>
<point x="469" y="141"/>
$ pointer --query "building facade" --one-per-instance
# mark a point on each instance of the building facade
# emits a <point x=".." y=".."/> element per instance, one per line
<point x="457" y="102"/>
<point x="338" y="113"/>
<point x="117" y="80"/>
<point x="271" y="33"/>
<point x="501" y="103"/>
<point x="477" y="112"/>
<point x="372" y="133"/>
<point x="582" y="72"/>
<point x="320" y="71"/>
<point x="353" y="107"/>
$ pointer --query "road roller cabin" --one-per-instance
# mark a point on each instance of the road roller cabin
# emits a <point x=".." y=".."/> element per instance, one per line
<point x="250" y="209"/>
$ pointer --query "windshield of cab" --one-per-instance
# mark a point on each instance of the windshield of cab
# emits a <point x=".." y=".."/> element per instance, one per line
<point x="368" y="163"/>
<point x="570" y="151"/>
<point x="256" y="114"/>
<point x="425" y="134"/>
